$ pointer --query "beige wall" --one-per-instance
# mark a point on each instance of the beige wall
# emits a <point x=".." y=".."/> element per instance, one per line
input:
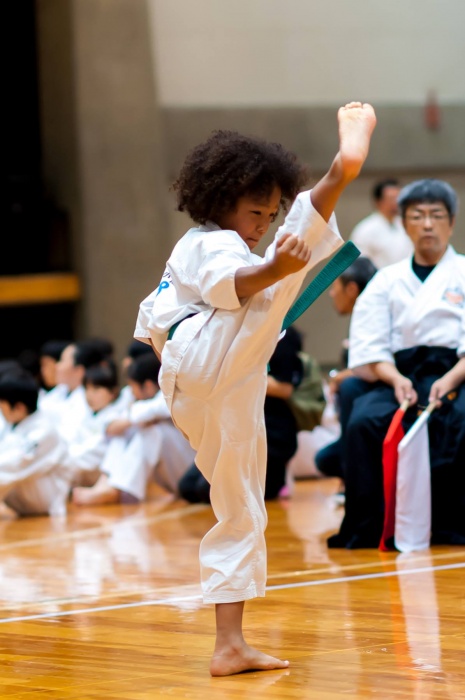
<point x="307" y="52"/>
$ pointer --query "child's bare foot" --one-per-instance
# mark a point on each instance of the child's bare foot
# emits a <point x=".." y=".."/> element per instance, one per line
<point x="356" y="124"/>
<point x="100" y="494"/>
<point x="230" y="660"/>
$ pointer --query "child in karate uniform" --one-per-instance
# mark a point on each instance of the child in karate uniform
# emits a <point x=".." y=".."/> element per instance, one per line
<point x="33" y="480"/>
<point x="87" y="450"/>
<point x="143" y="445"/>
<point x="215" y="320"/>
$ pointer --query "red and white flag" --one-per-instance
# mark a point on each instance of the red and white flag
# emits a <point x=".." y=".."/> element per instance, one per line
<point x="407" y="484"/>
<point x="391" y="442"/>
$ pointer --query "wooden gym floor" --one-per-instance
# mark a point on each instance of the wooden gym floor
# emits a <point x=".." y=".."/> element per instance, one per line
<point x="106" y="604"/>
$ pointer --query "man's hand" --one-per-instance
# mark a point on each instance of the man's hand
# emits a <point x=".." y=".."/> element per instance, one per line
<point x="450" y="381"/>
<point x="403" y="390"/>
<point x="440" y="388"/>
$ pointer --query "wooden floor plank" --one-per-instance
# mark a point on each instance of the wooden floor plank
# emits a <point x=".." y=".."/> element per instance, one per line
<point x="106" y="604"/>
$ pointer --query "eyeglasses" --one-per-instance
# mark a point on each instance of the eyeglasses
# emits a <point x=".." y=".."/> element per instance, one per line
<point x="418" y="218"/>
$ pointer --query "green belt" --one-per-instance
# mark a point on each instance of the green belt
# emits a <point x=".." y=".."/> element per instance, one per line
<point x="344" y="257"/>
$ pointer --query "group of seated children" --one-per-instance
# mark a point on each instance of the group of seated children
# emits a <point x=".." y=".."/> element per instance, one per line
<point x="71" y="433"/>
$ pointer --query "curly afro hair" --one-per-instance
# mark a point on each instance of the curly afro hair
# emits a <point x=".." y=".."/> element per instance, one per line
<point x="227" y="166"/>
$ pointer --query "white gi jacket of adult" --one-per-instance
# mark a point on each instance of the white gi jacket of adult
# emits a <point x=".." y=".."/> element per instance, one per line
<point x="385" y="243"/>
<point x="32" y="478"/>
<point x="397" y="311"/>
<point x="214" y="380"/>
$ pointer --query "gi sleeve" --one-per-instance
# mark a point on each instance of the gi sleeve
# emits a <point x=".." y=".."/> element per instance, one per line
<point x="371" y="325"/>
<point x="149" y="410"/>
<point x="223" y="253"/>
<point x="304" y="221"/>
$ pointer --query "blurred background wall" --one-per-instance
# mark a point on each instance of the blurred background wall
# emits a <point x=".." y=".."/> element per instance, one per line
<point x="121" y="89"/>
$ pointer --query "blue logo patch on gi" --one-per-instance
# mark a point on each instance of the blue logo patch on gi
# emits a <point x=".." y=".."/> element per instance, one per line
<point x="165" y="282"/>
<point x="454" y="296"/>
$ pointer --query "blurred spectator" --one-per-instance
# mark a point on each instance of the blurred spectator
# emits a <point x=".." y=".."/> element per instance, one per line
<point x="381" y="235"/>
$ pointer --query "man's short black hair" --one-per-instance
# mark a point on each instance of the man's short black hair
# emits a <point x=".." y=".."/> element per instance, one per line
<point x="19" y="386"/>
<point x="144" y="368"/>
<point x="428" y="191"/>
<point x="379" y="187"/>
<point x="361" y="271"/>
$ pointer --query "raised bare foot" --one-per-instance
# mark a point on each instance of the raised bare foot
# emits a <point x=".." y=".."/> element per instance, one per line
<point x="356" y="124"/>
<point x="97" y="495"/>
<point x="244" y="658"/>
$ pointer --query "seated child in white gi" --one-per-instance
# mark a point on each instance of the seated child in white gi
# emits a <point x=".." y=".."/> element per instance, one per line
<point x="215" y="320"/>
<point x="144" y="445"/>
<point x="87" y="451"/>
<point x="134" y="350"/>
<point x="33" y="480"/>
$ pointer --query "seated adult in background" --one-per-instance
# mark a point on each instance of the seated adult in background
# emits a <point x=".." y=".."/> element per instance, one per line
<point x="406" y="337"/>
<point x="319" y="450"/>
<point x="381" y="236"/>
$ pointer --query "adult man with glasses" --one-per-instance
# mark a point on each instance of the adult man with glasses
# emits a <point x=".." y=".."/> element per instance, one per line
<point x="407" y="338"/>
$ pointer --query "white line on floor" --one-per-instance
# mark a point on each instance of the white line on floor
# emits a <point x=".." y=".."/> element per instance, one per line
<point x="185" y="599"/>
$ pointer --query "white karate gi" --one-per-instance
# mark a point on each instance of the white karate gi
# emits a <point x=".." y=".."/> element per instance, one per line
<point x="87" y="450"/>
<point x="397" y="311"/>
<point x="66" y="409"/>
<point x="159" y="452"/>
<point x="384" y="243"/>
<point x="32" y="478"/>
<point x="214" y="379"/>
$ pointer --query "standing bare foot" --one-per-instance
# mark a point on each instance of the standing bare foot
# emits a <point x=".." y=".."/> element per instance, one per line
<point x="356" y="124"/>
<point x="230" y="660"/>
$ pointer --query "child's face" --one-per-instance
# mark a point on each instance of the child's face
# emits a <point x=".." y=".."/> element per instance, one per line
<point x="98" y="397"/>
<point x="142" y="392"/>
<point x="252" y="217"/>
<point x="13" y="414"/>
<point x="48" y="371"/>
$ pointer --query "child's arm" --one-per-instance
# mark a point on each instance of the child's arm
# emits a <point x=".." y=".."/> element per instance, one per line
<point x="356" y="124"/>
<point x="291" y="255"/>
